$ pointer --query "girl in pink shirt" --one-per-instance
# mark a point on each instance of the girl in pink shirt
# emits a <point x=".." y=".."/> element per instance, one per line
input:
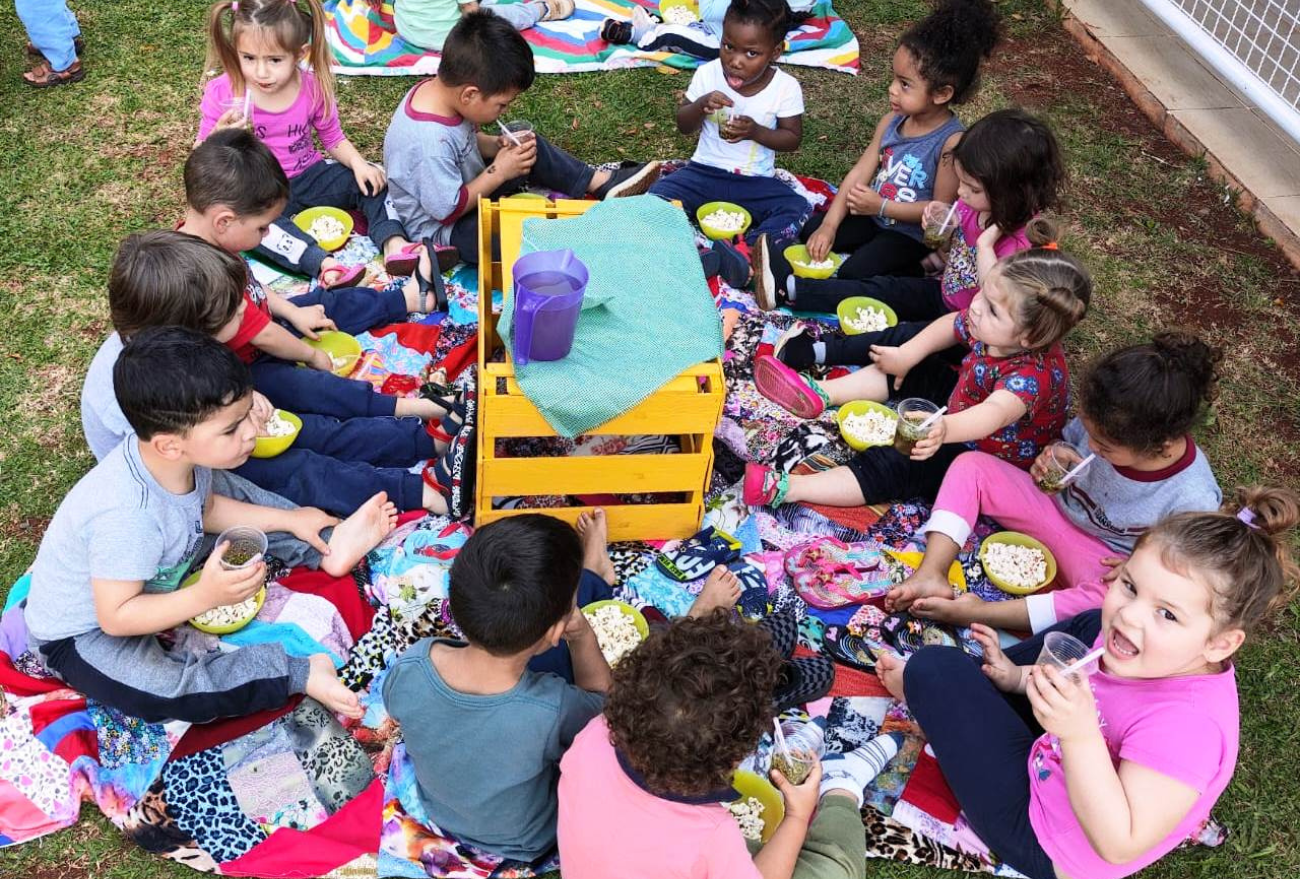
<point x="262" y="47"/>
<point x="1101" y="776"/>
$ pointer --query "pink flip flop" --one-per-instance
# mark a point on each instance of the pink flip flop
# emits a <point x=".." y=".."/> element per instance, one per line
<point x="763" y="486"/>
<point x="786" y="388"/>
<point x="348" y="276"/>
<point x="404" y="261"/>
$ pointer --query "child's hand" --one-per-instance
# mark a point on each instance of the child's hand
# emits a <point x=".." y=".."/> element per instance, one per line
<point x="738" y="128"/>
<point x="221" y="587"/>
<point x="989" y="236"/>
<point x="863" y="200"/>
<point x="308" y="319"/>
<point x="1002" y="672"/>
<point x="1043" y="463"/>
<point x="800" y="799"/>
<point x="1063" y="704"/>
<point x="925" y="448"/>
<point x="820" y="243"/>
<point x="1113" y="562"/>
<point x="320" y="360"/>
<point x="516" y="161"/>
<point x="576" y="626"/>
<point x="232" y="118"/>
<point x="467" y="8"/>
<point x="959" y="611"/>
<point x="261" y="412"/>
<point x="713" y="102"/>
<point x="893" y="361"/>
<point x="370" y="178"/>
<point x="306" y="524"/>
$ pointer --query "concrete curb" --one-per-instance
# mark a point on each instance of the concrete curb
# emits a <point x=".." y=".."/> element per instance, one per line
<point x="1286" y="238"/>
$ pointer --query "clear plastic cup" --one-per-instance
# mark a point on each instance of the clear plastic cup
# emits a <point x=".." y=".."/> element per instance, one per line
<point x="911" y="413"/>
<point x="522" y="129"/>
<point x="938" y="221"/>
<point x="805" y="744"/>
<point x="1063" y="652"/>
<point x="1059" y="459"/>
<point x="237" y="104"/>
<point x="247" y="547"/>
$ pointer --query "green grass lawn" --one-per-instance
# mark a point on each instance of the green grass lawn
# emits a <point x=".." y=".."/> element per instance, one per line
<point x="86" y="165"/>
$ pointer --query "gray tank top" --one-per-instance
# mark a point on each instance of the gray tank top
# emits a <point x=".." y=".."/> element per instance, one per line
<point x="908" y="166"/>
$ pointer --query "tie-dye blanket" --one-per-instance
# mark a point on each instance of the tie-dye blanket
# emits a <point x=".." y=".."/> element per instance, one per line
<point x="365" y="42"/>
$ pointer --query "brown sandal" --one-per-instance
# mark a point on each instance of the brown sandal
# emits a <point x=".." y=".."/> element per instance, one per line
<point x="78" y="46"/>
<point x="42" y="76"/>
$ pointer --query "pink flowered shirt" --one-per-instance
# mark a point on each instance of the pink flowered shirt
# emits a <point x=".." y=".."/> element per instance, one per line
<point x="961" y="280"/>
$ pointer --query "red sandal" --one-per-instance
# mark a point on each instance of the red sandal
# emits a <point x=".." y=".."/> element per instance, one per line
<point x="42" y="76"/>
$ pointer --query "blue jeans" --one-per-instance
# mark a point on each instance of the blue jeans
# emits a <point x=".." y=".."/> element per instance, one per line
<point x="51" y="27"/>
<point x="777" y="209"/>
<point x="325" y="184"/>
<point x="982" y="737"/>
<point x="592" y="587"/>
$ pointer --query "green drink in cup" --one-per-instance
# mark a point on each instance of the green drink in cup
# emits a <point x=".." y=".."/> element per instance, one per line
<point x="247" y="547"/>
<point x="912" y="413"/>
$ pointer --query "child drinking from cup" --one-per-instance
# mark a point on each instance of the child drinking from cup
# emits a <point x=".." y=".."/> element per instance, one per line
<point x="1137" y="408"/>
<point x="260" y="46"/>
<point x="745" y="111"/>
<point x="643" y="786"/>
<point x="1008" y="168"/>
<point x="1101" y="775"/>
<point x="876" y="214"/>
<point x="1009" y="397"/>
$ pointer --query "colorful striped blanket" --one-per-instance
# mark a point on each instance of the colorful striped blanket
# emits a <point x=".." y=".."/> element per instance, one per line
<point x="365" y="42"/>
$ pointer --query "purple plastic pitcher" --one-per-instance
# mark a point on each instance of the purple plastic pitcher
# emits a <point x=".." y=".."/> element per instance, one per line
<point x="548" y="299"/>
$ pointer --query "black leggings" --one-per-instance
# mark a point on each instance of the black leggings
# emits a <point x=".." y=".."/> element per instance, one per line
<point x="874" y="249"/>
<point x="913" y="299"/>
<point x="982" y="738"/>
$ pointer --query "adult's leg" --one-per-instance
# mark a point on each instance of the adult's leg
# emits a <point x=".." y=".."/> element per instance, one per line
<point x="282" y="545"/>
<point x="52" y="28"/>
<point x="982" y="744"/>
<point x="592" y="587"/>
<point x="384" y="442"/>
<point x="299" y="390"/>
<point x="138" y="677"/>
<point x="337" y="487"/>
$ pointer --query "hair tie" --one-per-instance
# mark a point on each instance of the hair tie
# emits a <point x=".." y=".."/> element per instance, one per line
<point x="1247" y="517"/>
<point x="1051" y="245"/>
<point x="234" y="5"/>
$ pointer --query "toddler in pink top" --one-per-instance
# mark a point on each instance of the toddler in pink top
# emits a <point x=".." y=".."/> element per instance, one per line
<point x="1124" y="761"/>
<point x="277" y="82"/>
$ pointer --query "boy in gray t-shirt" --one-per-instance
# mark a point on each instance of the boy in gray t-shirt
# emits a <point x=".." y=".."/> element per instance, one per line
<point x="107" y="575"/>
<point x="484" y="724"/>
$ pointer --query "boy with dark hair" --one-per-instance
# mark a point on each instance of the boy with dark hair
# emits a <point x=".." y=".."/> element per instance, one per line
<point x="483" y="727"/>
<point x="106" y="577"/>
<point x="171" y="279"/>
<point x="439" y="162"/>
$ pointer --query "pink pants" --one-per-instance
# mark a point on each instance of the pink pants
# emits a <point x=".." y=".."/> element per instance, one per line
<point x="978" y="483"/>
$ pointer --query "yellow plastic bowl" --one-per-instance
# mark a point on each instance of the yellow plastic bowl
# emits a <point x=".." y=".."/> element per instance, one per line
<point x="642" y="627"/>
<point x="337" y="344"/>
<point x="849" y="308"/>
<point x="304" y="219"/>
<point x="797" y="256"/>
<point x="749" y="784"/>
<point x="861" y="407"/>
<point x="270" y="446"/>
<point x="665" y="5"/>
<point x="713" y="231"/>
<point x="526" y="196"/>
<point x="1015" y="538"/>
<point x="232" y="627"/>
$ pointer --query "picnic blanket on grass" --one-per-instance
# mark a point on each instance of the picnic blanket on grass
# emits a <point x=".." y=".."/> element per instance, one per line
<point x="364" y="41"/>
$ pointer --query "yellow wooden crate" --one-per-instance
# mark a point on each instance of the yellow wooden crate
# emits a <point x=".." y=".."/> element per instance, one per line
<point x="688" y="407"/>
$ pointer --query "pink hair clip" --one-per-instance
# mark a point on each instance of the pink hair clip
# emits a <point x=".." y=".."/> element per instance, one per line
<point x="234" y="5"/>
<point x="1247" y="517"/>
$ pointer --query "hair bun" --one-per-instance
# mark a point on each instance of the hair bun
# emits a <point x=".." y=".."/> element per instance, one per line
<point x="1186" y="352"/>
<point x="1276" y="510"/>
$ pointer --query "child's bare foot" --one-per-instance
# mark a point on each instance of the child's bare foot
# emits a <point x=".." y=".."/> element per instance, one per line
<point x="721" y="589"/>
<point x="889" y="668"/>
<point x="324" y="686"/>
<point x="358" y="534"/>
<point x="434" y="501"/>
<point x="919" y="585"/>
<point x="426" y="410"/>
<point x="594" y="531"/>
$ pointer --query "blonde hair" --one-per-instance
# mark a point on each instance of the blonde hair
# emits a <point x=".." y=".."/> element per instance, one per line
<point x="1049" y="291"/>
<point x="293" y="27"/>
<point x="1240" y="552"/>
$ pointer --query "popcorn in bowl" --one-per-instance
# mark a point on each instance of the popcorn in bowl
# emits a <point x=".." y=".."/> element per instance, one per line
<point x="680" y="15"/>
<point x="278" y="425"/>
<point x="872" y="427"/>
<point x="616" y="632"/>
<point x="818" y="264"/>
<point x="341" y="360"/>
<point x="749" y="815"/>
<point x="326" y="228"/>
<point x="725" y="220"/>
<point x="229" y="614"/>
<point x="1023" y="567"/>
<point x="866" y="320"/>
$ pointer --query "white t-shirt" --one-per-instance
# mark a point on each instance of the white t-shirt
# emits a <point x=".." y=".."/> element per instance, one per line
<point x="781" y="99"/>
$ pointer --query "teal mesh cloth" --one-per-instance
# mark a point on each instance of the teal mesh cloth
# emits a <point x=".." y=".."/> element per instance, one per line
<point x="654" y="315"/>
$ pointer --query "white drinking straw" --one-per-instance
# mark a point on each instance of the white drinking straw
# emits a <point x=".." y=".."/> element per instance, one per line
<point x="947" y="219"/>
<point x="1077" y="469"/>
<point x="509" y="134"/>
<point x="780" y="737"/>
<point x="248" y="103"/>
<point x="1096" y="654"/>
<point x="932" y="419"/>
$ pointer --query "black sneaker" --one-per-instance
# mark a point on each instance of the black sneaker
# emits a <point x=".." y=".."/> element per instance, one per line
<point x="803" y="680"/>
<point x="770" y="273"/>
<point x="630" y="179"/>
<point x="732" y="266"/>
<point x="795" y="350"/>
<point x="615" y="32"/>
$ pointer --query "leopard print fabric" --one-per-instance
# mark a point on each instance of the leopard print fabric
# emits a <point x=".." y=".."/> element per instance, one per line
<point x="889" y="840"/>
<point x="200" y="797"/>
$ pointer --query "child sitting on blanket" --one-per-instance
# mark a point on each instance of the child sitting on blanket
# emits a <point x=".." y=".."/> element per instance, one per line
<point x="439" y="161"/>
<point x="1102" y="774"/>
<point x="425" y="24"/>
<point x="1009" y="397"/>
<point x="171" y="279"/>
<point x="1008" y="168"/>
<point x="746" y="111"/>
<point x="261" y="45"/>
<point x="700" y="38"/>
<point x="876" y="214"/>
<point x="1137" y="408"/>
<point x="234" y="188"/>
<point x="105" y="582"/>
<point x="486" y="719"/>
<point x="643" y="787"/>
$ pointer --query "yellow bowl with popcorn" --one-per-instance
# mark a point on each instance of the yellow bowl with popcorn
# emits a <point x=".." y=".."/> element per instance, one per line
<point x="330" y="227"/>
<point x="1009" y="570"/>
